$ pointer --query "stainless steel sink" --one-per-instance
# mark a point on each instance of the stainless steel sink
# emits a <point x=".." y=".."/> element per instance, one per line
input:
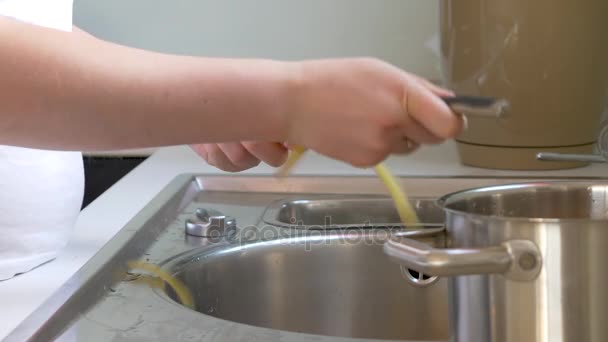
<point x="331" y="284"/>
<point x="345" y="213"/>
<point x="286" y="274"/>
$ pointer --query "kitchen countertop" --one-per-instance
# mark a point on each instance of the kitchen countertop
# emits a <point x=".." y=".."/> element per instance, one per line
<point x="103" y="218"/>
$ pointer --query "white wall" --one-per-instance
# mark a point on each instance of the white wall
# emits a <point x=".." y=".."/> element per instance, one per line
<point x="394" y="30"/>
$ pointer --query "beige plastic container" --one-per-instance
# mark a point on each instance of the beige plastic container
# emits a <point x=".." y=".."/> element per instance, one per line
<point x="549" y="59"/>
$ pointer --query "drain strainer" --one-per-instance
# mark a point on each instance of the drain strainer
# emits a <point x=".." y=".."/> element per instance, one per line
<point x="418" y="278"/>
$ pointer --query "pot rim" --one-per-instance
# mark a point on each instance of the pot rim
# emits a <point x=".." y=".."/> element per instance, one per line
<point x="445" y="200"/>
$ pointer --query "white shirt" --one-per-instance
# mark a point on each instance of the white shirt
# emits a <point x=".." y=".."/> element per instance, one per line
<point x="40" y="191"/>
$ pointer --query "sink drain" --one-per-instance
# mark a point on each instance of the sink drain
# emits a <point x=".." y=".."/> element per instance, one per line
<point x="418" y="278"/>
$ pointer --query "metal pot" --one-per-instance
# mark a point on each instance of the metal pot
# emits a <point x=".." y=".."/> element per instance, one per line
<point x="526" y="262"/>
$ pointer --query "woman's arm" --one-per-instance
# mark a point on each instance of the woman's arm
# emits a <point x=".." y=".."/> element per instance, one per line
<point x="64" y="90"/>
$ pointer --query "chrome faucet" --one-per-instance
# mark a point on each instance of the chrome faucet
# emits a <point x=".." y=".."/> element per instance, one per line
<point x="601" y="156"/>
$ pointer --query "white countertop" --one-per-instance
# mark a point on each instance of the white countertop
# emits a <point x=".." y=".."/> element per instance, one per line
<point x="103" y="218"/>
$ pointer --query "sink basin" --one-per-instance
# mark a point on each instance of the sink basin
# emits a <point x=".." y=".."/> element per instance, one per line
<point x="309" y="266"/>
<point x="341" y="213"/>
<point x="332" y="284"/>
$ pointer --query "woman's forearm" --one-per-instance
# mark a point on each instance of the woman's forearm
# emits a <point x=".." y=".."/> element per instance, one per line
<point x="71" y="91"/>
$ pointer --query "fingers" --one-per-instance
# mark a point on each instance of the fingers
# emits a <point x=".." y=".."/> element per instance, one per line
<point x="239" y="155"/>
<point x="405" y="146"/>
<point x="201" y="150"/>
<point x="235" y="157"/>
<point x="426" y="108"/>
<point x="273" y="154"/>
<point x="230" y="157"/>
<point x="418" y="133"/>
<point x="435" y="89"/>
<point x="219" y="159"/>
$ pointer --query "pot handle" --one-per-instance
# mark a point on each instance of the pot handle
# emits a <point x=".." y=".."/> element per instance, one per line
<point x="515" y="259"/>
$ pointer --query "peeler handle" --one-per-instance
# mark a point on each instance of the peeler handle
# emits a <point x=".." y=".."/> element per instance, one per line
<point x="478" y="106"/>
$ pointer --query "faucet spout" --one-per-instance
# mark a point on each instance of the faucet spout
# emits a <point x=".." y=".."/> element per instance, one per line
<point x="600" y="157"/>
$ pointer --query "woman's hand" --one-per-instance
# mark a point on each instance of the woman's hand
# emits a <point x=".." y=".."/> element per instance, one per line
<point x="362" y="110"/>
<point x="240" y="156"/>
<point x="355" y="110"/>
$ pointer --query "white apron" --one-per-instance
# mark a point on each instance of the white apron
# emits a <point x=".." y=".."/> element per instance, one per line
<point x="40" y="191"/>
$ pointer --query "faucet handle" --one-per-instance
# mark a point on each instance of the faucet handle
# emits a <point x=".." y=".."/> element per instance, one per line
<point x="601" y="157"/>
<point x="210" y="224"/>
